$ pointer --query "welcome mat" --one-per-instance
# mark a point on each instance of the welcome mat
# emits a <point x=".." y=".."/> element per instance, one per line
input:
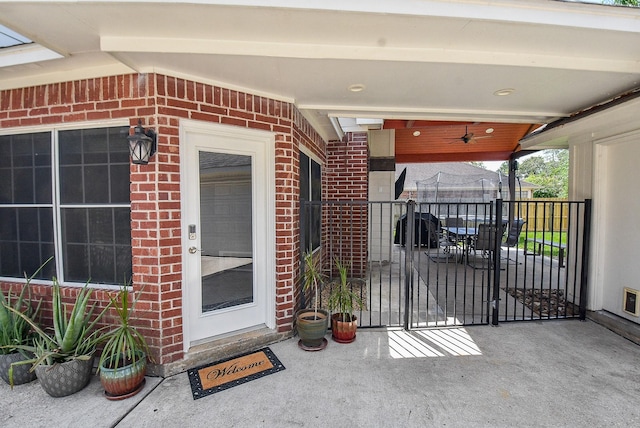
<point x="225" y="374"/>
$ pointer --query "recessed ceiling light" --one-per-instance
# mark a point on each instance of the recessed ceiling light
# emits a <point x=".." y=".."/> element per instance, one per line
<point x="504" y="92"/>
<point x="489" y="130"/>
<point x="416" y="133"/>
<point x="356" y="87"/>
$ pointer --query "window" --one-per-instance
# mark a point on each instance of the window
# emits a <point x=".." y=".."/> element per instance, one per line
<point x="311" y="190"/>
<point x="65" y="193"/>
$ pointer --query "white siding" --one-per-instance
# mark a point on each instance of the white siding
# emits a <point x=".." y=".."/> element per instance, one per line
<point x="618" y="226"/>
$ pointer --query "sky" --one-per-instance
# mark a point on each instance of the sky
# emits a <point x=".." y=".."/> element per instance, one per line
<point x="492" y="165"/>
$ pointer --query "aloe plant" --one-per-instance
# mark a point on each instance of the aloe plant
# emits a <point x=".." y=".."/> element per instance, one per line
<point x="123" y="344"/>
<point x="74" y="334"/>
<point x="14" y="329"/>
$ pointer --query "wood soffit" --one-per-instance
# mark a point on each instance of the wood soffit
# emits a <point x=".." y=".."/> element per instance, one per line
<point x="440" y="141"/>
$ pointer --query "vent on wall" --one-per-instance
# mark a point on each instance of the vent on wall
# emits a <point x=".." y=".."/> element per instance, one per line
<point x="630" y="302"/>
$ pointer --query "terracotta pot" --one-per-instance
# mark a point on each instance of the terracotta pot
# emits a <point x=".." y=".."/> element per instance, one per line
<point x="21" y="373"/>
<point x="343" y="331"/>
<point x="125" y="381"/>
<point x="312" y="329"/>
<point x="62" y="379"/>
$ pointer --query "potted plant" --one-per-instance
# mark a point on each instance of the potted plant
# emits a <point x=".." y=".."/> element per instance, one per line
<point x="312" y="323"/>
<point x="341" y="303"/>
<point x="123" y="363"/>
<point x="15" y="333"/>
<point x="63" y="358"/>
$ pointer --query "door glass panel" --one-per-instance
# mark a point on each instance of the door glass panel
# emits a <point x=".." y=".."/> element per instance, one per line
<point x="226" y="230"/>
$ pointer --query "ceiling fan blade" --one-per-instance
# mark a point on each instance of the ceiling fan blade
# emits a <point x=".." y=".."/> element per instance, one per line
<point x="474" y="140"/>
<point x="468" y="137"/>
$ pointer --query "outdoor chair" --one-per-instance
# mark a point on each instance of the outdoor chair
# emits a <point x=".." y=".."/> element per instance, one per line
<point x="485" y="243"/>
<point x="454" y="222"/>
<point x="448" y="244"/>
<point x="448" y="241"/>
<point x="513" y="237"/>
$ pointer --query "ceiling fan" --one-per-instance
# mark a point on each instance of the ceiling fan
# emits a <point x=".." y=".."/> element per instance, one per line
<point x="469" y="137"/>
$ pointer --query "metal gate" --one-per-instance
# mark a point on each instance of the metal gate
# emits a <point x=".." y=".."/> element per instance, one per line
<point x="443" y="264"/>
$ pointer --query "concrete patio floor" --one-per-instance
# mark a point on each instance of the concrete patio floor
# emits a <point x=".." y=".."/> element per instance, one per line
<point x="528" y="374"/>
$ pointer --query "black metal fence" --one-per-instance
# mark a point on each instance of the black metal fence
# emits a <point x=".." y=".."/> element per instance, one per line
<point x="444" y="264"/>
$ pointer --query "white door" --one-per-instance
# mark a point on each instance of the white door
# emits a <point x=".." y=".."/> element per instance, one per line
<point x="228" y="225"/>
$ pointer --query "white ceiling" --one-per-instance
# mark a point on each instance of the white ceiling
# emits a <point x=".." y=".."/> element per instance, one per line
<point x="417" y="59"/>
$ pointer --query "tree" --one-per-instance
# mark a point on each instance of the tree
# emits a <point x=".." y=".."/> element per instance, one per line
<point x="534" y="165"/>
<point x="479" y="164"/>
<point x="504" y="168"/>
<point x="550" y="171"/>
<point x="622" y="2"/>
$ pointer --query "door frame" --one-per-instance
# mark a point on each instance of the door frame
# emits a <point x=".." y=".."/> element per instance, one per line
<point x="189" y="127"/>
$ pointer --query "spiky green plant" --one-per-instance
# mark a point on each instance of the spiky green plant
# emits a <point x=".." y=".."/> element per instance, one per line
<point x="74" y="334"/>
<point x="312" y="279"/>
<point x="14" y="329"/>
<point x="124" y="344"/>
<point x="342" y="298"/>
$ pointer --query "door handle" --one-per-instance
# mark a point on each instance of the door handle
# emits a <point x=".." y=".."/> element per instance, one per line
<point x="193" y="250"/>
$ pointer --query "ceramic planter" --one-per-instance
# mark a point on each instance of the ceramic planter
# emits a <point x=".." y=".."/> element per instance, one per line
<point x="62" y="379"/>
<point x="312" y="330"/>
<point x="125" y="381"/>
<point x="343" y="331"/>
<point x="21" y="373"/>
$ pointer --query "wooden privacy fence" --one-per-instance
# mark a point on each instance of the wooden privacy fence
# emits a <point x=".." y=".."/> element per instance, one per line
<point x="544" y="214"/>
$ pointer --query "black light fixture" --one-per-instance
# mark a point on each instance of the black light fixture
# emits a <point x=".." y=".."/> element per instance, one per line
<point x="142" y="144"/>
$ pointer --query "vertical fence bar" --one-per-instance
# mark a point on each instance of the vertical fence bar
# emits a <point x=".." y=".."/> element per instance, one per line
<point x="562" y="262"/>
<point x="495" y="302"/>
<point x="536" y="206"/>
<point x="408" y="259"/>
<point x="577" y="217"/>
<point x="584" y="277"/>
<point x="453" y="292"/>
<point x="545" y="228"/>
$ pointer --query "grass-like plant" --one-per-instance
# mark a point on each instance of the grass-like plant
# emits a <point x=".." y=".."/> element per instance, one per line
<point x="312" y="279"/>
<point x="124" y="344"/>
<point x="342" y="299"/>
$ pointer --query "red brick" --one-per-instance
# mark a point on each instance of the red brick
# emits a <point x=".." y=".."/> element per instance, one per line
<point x="156" y="228"/>
<point x="233" y="121"/>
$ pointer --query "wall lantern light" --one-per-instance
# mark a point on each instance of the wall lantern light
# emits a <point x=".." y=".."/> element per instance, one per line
<point x="142" y="144"/>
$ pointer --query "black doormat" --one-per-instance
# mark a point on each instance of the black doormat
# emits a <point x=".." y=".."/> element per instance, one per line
<point x="224" y="374"/>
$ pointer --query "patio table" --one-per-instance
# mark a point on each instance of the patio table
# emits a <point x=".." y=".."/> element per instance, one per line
<point x="461" y="235"/>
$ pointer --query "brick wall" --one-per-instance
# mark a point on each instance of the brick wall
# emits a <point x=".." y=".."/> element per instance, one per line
<point x="161" y="101"/>
<point x="346" y="179"/>
<point x="346" y="169"/>
<point x="304" y="134"/>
